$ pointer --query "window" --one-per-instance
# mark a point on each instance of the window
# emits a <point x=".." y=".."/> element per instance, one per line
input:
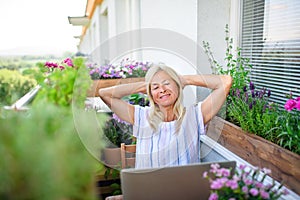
<point x="271" y="40"/>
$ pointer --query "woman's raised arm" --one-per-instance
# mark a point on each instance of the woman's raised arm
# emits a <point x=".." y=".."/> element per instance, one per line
<point x="220" y="85"/>
<point x="112" y="98"/>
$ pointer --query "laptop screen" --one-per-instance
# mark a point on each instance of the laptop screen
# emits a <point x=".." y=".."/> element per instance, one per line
<point x="179" y="182"/>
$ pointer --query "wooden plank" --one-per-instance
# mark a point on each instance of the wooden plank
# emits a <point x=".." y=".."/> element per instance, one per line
<point x="284" y="164"/>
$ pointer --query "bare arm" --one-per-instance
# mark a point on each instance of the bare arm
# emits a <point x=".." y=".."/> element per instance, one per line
<point x="112" y="98"/>
<point x="220" y="85"/>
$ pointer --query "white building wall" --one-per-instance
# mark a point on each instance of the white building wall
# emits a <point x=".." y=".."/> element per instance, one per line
<point x="183" y="24"/>
<point x="212" y="18"/>
<point x="177" y="16"/>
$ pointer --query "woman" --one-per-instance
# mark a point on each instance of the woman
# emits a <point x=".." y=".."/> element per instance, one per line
<point x="167" y="133"/>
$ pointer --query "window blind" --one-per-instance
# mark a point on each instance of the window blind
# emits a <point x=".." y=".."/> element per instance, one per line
<point x="270" y="38"/>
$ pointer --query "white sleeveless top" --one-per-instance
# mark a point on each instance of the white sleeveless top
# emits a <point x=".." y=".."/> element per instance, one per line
<point x="165" y="147"/>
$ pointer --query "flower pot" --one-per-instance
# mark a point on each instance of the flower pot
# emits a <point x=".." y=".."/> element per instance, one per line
<point x="285" y="165"/>
<point x="112" y="156"/>
<point x="103" y="83"/>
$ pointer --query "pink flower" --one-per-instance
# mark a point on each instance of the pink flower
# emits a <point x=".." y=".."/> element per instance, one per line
<point x="225" y="172"/>
<point x="216" y="184"/>
<point x="264" y="194"/>
<point x="232" y="184"/>
<point x="285" y="192"/>
<point x="213" y="196"/>
<point x="245" y="189"/>
<point x="242" y="167"/>
<point x="266" y="170"/>
<point x="297" y="106"/>
<point x="205" y="174"/>
<point x="69" y="62"/>
<point x="248" y="181"/>
<point x="214" y="167"/>
<point x="290" y="104"/>
<point x="258" y="184"/>
<point x="51" y="65"/>
<point x="253" y="192"/>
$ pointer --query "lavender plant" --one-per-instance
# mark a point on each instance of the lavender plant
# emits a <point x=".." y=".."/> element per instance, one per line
<point x="249" y="106"/>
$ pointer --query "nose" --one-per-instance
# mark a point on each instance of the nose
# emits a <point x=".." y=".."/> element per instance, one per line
<point x="162" y="89"/>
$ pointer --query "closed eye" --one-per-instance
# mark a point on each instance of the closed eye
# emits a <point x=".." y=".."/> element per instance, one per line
<point x="154" y="86"/>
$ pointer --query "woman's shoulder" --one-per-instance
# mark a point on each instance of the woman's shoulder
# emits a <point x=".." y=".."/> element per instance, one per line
<point x="138" y="107"/>
<point x="141" y="110"/>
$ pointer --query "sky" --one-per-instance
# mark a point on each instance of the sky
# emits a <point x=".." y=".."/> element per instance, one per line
<point x="35" y="27"/>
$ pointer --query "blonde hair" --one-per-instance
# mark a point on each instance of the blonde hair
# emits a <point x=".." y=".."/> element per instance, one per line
<point x="156" y="116"/>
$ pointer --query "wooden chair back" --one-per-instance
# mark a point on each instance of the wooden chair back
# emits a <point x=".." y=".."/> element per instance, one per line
<point x="128" y="155"/>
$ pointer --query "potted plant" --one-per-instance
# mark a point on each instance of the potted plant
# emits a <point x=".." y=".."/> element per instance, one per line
<point x="126" y="71"/>
<point x="118" y="131"/>
<point x="253" y="127"/>
<point x="243" y="183"/>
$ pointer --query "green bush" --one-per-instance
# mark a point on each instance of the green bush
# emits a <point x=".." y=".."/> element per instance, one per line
<point x="13" y="85"/>
<point x="61" y="81"/>
<point x="42" y="156"/>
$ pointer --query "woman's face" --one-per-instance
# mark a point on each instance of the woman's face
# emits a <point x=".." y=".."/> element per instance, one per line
<point x="164" y="89"/>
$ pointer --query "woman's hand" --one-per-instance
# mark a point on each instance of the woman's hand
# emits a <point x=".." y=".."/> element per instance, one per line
<point x="183" y="81"/>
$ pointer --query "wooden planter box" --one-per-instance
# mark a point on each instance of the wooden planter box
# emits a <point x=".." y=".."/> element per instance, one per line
<point x="285" y="165"/>
<point x="103" y="83"/>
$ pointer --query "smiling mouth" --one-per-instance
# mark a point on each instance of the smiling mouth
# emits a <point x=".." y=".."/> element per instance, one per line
<point x="164" y="96"/>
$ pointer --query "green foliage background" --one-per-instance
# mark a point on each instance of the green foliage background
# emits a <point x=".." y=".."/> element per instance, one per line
<point x="13" y="85"/>
<point x="42" y="156"/>
<point x="43" y="150"/>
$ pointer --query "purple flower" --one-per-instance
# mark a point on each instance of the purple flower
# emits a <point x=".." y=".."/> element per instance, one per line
<point x="269" y="93"/>
<point x="251" y="86"/>
<point x="290" y="104"/>
<point x="252" y="93"/>
<point x="253" y="192"/>
<point x="250" y="105"/>
<point x="237" y="92"/>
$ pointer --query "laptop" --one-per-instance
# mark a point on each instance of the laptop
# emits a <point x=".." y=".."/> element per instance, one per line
<point x="179" y="182"/>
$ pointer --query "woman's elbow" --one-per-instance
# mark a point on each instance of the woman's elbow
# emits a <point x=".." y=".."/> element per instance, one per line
<point x="102" y="93"/>
<point x="227" y="81"/>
